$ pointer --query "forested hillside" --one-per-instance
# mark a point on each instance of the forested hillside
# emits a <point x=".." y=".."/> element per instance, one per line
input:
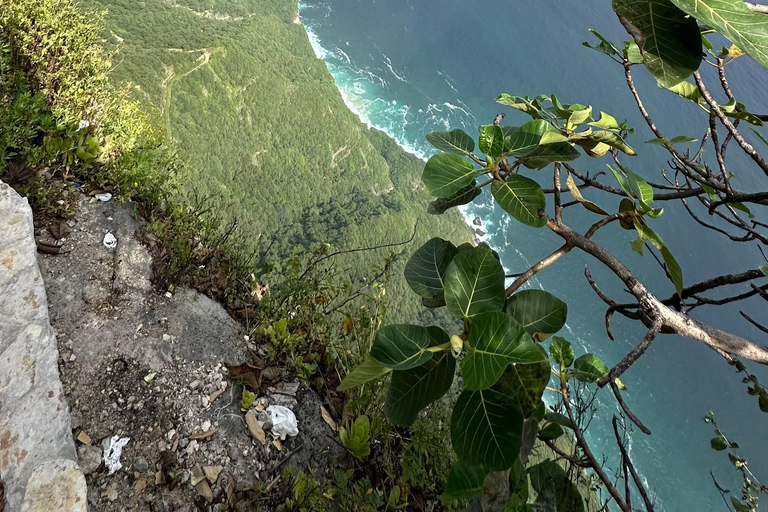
<point x="264" y="131"/>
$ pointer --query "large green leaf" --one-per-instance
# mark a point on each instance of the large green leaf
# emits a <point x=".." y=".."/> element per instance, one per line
<point x="464" y="482"/>
<point x="733" y="19"/>
<point x="487" y="429"/>
<point x="556" y="490"/>
<point x="367" y="371"/>
<point x="495" y="341"/>
<point x="561" y="351"/>
<point x="522" y="198"/>
<point x="530" y="107"/>
<point x="474" y="283"/>
<point x="614" y="140"/>
<point x="635" y="187"/>
<point x="426" y="269"/>
<point x="589" y="368"/>
<point x="446" y="174"/>
<point x="527" y="382"/>
<point x="401" y="346"/>
<point x="553" y="148"/>
<point x="412" y="390"/>
<point x="524" y="140"/>
<point x="669" y="40"/>
<point x="466" y="195"/>
<point x="455" y="141"/>
<point x="491" y="141"/>
<point x="541" y="313"/>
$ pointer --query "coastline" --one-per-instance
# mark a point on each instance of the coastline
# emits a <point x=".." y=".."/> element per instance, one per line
<point x="479" y="232"/>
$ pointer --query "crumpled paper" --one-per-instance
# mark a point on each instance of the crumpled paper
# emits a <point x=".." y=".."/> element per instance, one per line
<point x="284" y="422"/>
<point x="113" y="449"/>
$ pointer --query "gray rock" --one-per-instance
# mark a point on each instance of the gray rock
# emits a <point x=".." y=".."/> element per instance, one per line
<point x="37" y="452"/>
<point x="90" y="458"/>
<point x="140" y="464"/>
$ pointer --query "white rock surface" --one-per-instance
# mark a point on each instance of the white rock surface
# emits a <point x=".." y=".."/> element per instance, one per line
<point x="38" y="462"/>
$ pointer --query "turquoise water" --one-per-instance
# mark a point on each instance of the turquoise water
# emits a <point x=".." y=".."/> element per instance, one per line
<point x="410" y="67"/>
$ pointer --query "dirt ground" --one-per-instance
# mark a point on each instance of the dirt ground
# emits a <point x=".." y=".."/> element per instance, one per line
<point x="151" y="366"/>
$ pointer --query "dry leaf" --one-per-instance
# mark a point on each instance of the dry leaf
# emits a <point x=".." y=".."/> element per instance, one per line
<point x="202" y="435"/>
<point x="328" y="418"/>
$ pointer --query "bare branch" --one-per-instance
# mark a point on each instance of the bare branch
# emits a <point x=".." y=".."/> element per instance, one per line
<point x="541" y="265"/>
<point x="746" y="146"/>
<point x="762" y="9"/>
<point x="627" y="410"/>
<point x="638" y="482"/>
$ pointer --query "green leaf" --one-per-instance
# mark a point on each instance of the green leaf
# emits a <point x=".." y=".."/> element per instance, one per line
<point x="426" y="269"/>
<point x="559" y="419"/>
<point x="635" y="187"/>
<point x="646" y="234"/>
<point x="495" y="341"/>
<point x="764" y="269"/>
<point x="527" y="382"/>
<point x="673" y="267"/>
<point x="521" y="104"/>
<point x="464" y="482"/>
<point x="474" y="283"/>
<point x="491" y="140"/>
<point x="605" y="45"/>
<point x="465" y="195"/>
<point x="718" y="443"/>
<point x="522" y="198"/>
<point x="555" y="489"/>
<point x="632" y="53"/>
<point x="669" y="40"/>
<point x="551" y="432"/>
<point x="606" y="121"/>
<point x="554" y="147"/>
<point x="576" y="193"/>
<point x="518" y="483"/>
<point x="539" y="312"/>
<point x="579" y="114"/>
<point x="401" y="346"/>
<point x="561" y="351"/>
<point x="367" y="371"/>
<point x="762" y="402"/>
<point x="455" y="141"/>
<point x="589" y="368"/>
<point x="733" y="19"/>
<point x="688" y="91"/>
<point x="412" y="390"/>
<point x="446" y="174"/>
<point x="487" y="429"/>
<point x="524" y="140"/>
<point x="614" y="140"/>
<point x="759" y="135"/>
<point x="682" y="139"/>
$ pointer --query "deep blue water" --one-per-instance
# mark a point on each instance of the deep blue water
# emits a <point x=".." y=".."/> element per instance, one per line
<point x="409" y="67"/>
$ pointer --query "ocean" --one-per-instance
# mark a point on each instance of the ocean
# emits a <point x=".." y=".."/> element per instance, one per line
<point x="409" y="67"/>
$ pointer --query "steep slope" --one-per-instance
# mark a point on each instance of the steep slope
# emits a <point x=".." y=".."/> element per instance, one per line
<point x="266" y="133"/>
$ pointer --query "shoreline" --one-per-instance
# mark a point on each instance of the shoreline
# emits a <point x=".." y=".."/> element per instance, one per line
<point x="320" y="52"/>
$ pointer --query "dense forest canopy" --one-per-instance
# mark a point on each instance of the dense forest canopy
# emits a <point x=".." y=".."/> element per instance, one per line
<point x="266" y="134"/>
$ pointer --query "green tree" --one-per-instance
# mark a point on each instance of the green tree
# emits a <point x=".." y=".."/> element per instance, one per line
<point x="499" y="414"/>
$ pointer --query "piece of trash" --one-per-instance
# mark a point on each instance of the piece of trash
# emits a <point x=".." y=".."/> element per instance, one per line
<point x="148" y="377"/>
<point x="284" y="422"/>
<point x="113" y="451"/>
<point x="110" y="242"/>
<point x="106" y="196"/>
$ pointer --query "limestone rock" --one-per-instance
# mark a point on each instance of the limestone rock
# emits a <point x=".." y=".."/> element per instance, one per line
<point x="37" y="452"/>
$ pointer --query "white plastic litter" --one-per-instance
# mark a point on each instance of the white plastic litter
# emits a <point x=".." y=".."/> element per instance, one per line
<point x="284" y="422"/>
<point x="106" y="196"/>
<point x="113" y="451"/>
<point x="110" y="242"/>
